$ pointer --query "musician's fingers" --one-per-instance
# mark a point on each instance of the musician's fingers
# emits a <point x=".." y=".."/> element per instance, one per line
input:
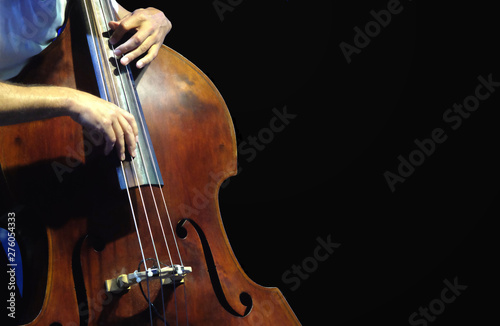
<point x="129" y="136"/>
<point x="109" y="138"/>
<point x="119" y="139"/>
<point x="150" y="26"/>
<point x="131" y="121"/>
<point x="120" y="28"/>
<point x="152" y="53"/>
<point x="149" y="46"/>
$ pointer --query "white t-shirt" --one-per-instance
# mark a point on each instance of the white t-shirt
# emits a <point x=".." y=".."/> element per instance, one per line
<point x="26" y="28"/>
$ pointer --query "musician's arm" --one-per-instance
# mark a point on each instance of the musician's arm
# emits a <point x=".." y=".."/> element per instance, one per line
<point x="121" y="12"/>
<point x="23" y="104"/>
<point x="19" y="103"/>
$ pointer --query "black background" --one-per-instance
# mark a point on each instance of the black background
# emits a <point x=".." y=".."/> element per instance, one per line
<point x="323" y="175"/>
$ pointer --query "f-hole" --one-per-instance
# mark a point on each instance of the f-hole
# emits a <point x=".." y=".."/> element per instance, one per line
<point x="245" y="298"/>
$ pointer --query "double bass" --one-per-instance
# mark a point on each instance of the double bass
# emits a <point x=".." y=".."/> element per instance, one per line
<point x="134" y="242"/>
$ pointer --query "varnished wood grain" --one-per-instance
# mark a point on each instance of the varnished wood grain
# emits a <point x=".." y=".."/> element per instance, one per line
<point x="195" y="145"/>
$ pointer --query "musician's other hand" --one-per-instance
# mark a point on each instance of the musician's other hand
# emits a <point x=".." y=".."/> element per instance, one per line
<point x="150" y="26"/>
<point x="117" y="126"/>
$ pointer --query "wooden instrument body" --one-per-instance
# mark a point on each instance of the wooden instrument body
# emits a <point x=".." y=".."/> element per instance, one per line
<point x="60" y="172"/>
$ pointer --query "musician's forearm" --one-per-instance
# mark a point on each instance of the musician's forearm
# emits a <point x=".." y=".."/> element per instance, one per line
<point x="29" y="103"/>
<point x="122" y="12"/>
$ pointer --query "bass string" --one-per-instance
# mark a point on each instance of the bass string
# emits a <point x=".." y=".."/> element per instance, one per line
<point x="156" y="172"/>
<point x="129" y="80"/>
<point x="143" y="131"/>
<point x="155" y="169"/>
<point x="150" y="152"/>
<point x="151" y="156"/>
<point x="114" y="88"/>
<point x="154" y="246"/>
<point x="106" y="97"/>
<point x="140" y="243"/>
<point x="157" y="176"/>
